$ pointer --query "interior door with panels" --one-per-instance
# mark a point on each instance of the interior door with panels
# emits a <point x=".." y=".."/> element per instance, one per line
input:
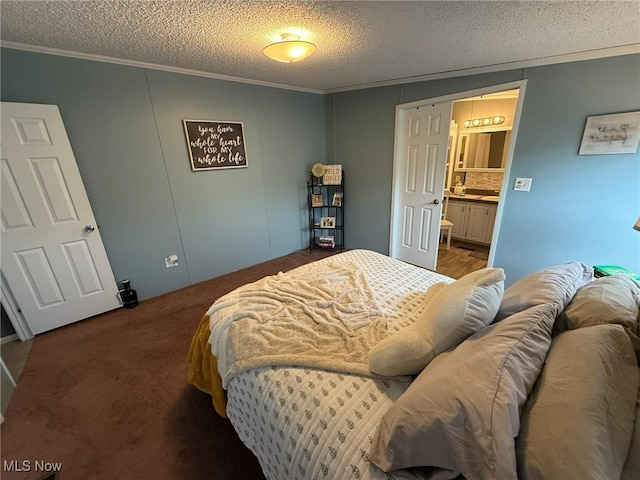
<point x="53" y="258"/>
<point x="419" y="170"/>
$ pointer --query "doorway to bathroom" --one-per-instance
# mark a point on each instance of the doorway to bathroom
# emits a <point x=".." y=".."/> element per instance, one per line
<point x="479" y="149"/>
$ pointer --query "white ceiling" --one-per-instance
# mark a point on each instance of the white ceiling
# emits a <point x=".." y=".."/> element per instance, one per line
<point x="359" y="43"/>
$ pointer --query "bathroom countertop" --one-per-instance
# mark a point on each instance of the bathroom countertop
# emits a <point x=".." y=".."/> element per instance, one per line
<point x="475" y="198"/>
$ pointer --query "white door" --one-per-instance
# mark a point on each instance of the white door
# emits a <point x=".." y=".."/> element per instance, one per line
<point x="422" y="136"/>
<point x="52" y="256"/>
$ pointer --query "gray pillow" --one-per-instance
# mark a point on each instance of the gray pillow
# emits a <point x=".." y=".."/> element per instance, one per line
<point x="578" y="419"/>
<point x="631" y="469"/>
<point x="614" y="299"/>
<point x="556" y="284"/>
<point x="462" y="413"/>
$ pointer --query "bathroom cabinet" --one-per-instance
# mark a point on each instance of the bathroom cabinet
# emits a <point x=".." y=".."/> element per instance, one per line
<point x="472" y="221"/>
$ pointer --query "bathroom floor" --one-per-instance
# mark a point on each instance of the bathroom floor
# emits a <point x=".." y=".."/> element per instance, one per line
<point x="461" y="259"/>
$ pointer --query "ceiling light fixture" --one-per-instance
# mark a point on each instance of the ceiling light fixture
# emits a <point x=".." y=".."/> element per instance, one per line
<point x="484" y="122"/>
<point x="290" y="49"/>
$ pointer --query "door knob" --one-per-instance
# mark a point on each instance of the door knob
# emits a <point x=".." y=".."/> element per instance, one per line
<point x="89" y="228"/>
<point x="435" y="202"/>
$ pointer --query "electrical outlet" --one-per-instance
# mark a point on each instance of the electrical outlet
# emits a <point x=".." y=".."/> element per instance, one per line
<point x="522" y="184"/>
<point x="171" y="261"/>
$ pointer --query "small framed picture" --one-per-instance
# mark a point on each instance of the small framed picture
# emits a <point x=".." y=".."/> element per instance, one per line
<point x="328" y="222"/>
<point x="316" y="200"/>
<point x="611" y="134"/>
<point x="337" y="199"/>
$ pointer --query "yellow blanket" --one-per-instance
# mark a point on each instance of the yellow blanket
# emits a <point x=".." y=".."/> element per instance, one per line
<point x="203" y="368"/>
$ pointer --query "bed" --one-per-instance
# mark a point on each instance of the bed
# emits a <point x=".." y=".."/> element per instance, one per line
<point x="324" y="372"/>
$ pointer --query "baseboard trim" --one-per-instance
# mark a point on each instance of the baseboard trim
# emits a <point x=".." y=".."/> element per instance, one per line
<point x="9" y="338"/>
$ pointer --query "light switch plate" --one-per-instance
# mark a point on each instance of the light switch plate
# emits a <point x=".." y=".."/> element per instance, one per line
<point x="522" y="184"/>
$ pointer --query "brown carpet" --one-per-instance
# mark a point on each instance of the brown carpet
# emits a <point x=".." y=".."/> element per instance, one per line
<point x="108" y="398"/>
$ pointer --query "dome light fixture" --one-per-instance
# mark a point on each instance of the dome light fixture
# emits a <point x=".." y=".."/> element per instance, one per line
<point x="290" y="49"/>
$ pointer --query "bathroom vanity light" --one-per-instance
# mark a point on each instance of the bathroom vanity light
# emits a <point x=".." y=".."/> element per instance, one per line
<point x="484" y="122"/>
<point x="290" y="49"/>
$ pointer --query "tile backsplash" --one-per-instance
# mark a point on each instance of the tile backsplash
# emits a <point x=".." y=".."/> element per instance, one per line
<point x="484" y="180"/>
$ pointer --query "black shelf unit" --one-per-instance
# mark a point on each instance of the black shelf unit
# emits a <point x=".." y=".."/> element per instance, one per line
<point x="317" y="230"/>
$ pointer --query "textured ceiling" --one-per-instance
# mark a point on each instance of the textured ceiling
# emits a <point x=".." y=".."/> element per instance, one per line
<point x="359" y="43"/>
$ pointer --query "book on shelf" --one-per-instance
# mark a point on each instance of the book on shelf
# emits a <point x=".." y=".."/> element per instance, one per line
<point x="326" y="241"/>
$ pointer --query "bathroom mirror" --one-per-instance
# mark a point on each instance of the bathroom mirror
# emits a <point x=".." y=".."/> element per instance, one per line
<point x="482" y="150"/>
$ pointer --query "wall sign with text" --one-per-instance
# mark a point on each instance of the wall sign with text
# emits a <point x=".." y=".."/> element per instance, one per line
<point x="214" y="144"/>
<point x="611" y="134"/>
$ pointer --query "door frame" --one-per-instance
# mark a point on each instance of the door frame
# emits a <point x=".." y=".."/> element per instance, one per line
<point x="398" y="152"/>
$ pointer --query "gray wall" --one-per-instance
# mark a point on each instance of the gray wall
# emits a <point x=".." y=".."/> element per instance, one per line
<point x="125" y="127"/>
<point x="579" y="208"/>
<point x="124" y="124"/>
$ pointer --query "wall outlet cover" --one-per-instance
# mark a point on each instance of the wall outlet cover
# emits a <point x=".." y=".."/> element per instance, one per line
<point x="522" y="184"/>
<point x="171" y="261"/>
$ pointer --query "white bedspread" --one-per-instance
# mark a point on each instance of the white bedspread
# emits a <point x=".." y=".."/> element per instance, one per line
<point x="305" y="423"/>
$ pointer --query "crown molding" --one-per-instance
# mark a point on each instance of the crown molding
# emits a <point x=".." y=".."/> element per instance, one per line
<point x="536" y="62"/>
<point x="150" y="66"/>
